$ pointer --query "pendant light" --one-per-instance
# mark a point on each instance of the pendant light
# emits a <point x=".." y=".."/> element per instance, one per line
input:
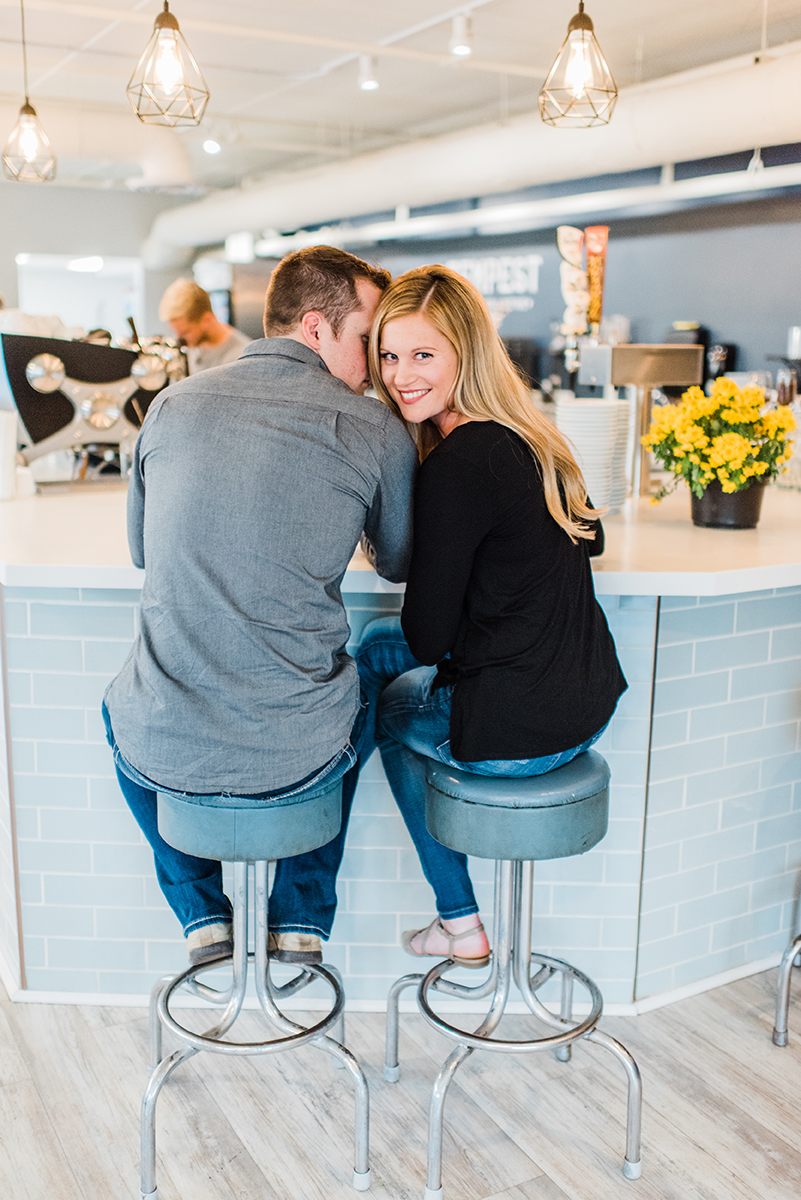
<point x="167" y="87"/>
<point x="579" y="91"/>
<point x="28" y="155"/>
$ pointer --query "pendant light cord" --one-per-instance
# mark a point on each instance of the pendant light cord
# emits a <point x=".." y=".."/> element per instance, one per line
<point x="24" y="50"/>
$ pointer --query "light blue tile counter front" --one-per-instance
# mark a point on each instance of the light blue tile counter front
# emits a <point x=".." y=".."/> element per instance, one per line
<point x="695" y="877"/>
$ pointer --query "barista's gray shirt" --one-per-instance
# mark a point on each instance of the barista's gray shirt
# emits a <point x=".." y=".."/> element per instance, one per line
<point x="251" y="485"/>
<point x="202" y="357"/>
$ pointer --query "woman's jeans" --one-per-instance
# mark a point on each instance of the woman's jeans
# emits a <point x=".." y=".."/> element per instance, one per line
<point x="303" y="896"/>
<point x="412" y="725"/>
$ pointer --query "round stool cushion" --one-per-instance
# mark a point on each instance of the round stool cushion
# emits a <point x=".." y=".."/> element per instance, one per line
<point x="241" y="829"/>
<point x="537" y="817"/>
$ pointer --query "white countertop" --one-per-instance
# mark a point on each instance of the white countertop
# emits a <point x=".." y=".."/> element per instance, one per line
<point x="77" y="539"/>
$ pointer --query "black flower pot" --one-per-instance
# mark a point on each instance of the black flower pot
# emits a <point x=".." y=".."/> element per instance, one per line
<point x="717" y="509"/>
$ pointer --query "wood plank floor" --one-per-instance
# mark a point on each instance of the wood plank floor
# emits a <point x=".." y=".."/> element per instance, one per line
<point x="721" y="1121"/>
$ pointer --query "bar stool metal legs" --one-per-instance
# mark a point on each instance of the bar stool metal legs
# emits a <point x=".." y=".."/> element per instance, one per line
<point x="783" y="991"/>
<point x="326" y="1034"/>
<point x="511" y="958"/>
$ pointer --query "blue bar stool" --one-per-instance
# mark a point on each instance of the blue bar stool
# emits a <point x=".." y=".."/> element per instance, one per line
<point x="242" y="831"/>
<point x="791" y="955"/>
<point x="515" y="821"/>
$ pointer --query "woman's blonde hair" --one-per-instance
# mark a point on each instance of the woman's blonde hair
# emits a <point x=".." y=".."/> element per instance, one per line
<point x="487" y="388"/>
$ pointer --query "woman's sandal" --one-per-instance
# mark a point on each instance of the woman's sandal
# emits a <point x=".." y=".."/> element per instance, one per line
<point x="436" y="926"/>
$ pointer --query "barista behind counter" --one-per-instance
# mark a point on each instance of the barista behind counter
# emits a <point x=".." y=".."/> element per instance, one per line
<point x="186" y="307"/>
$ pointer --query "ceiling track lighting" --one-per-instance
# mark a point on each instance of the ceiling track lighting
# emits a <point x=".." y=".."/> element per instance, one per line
<point x="368" y="75"/>
<point x="579" y="91"/>
<point x="167" y="87"/>
<point x="461" y="43"/>
<point x="28" y="155"/>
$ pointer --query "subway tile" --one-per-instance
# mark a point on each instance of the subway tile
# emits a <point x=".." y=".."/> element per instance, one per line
<point x="168" y="957"/>
<point x="674" y="761"/>
<point x="762" y="864"/>
<point x="632" y="628"/>
<point x="627" y="734"/>
<point x="711" y="964"/>
<point x="784" y="768"/>
<point x="109" y="859"/>
<point x="673" y="662"/>
<point x="768" y="612"/>
<point x="389" y="961"/>
<point x="627" y="799"/>
<point x="48" y="723"/>
<point x="365" y="929"/>
<point x="778" y="831"/>
<point x="580" y="898"/>
<point x="130" y="983"/>
<point x="696" y="624"/>
<point x="87" y="825"/>
<point x="579" y="868"/>
<point x="670" y="729"/>
<point x="566" y="933"/>
<point x="111" y="595"/>
<point x="661" y="861"/>
<point x="666" y="796"/>
<point x="717" y="847"/>
<point x="82" y="620"/>
<point x="103" y="657"/>
<point x="766" y="743"/>
<point x="783" y="706"/>
<point x="94" y="890"/>
<point x="636" y="702"/>
<point x="727" y="718"/>
<point x="646" y="603"/>
<point x="657" y="925"/>
<point x="16" y="618"/>
<point x="70" y="691"/>
<point x="43" y="654"/>
<point x="19" y="687"/>
<point x="786" y="643"/>
<point x="745" y="928"/>
<point x="772" y="677"/>
<point x="136" y="923"/>
<point x="96" y="954"/>
<point x="35" y="950"/>
<point x="45" y="979"/>
<point x="680" y="825"/>
<point x="619" y="933"/>
<point x="482" y="870"/>
<point x="778" y="889"/>
<point x="787" y="591"/>
<point x="30" y="888"/>
<point x="369" y="864"/>
<point x="653" y="982"/>
<point x="409" y="866"/>
<point x="42" y="593"/>
<point x="637" y="662"/>
<point x="706" y="910"/>
<point x="54" y="857"/>
<point x="68" y="791"/>
<point x="105" y="793"/>
<point x="74" y="758"/>
<point x="54" y="921"/>
<point x="622" y="868"/>
<point x="682" y="947"/>
<point x="717" y="654"/>
<point x="622" y="836"/>
<point x="28" y="823"/>
<point x="94" y="728"/>
<point x="757" y="806"/>
<point x="606" y="965"/>
<point x="773" y="943"/>
<point x="678" y="888"/>
<point x="678" y="695"/>
<point x="668" y="603"/>
<point x="373" y="797"/>
<point x="392" y="897"/>
<point x="377" y="830"/>
<point x="24" y="757"/>
<point x="722" y="784"/>
<point x="626" y="768"/>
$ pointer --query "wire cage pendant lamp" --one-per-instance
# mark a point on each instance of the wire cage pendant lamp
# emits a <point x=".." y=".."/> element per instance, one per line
<point x="167" y="87"/>
<point x="27" y="155"/>
<point x="579" y="91"/>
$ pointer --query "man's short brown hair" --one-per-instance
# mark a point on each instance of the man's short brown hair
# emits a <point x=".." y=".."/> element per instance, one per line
<point x="318" y="279"/>
<point x="184" y="300"/>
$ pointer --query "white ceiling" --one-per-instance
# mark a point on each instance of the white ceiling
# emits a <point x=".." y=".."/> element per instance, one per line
<point x="282" y="76"/>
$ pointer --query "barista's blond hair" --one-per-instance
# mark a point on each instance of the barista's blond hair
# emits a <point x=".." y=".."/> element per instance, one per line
<point x="487" y="388"/>
<point x="184" y="300"/>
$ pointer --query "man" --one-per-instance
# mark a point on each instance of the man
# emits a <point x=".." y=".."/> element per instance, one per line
<point x="186" y="307"/>
<point x="245" y="516"/>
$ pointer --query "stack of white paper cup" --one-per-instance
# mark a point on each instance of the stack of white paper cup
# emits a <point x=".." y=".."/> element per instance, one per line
<point x="598" y="433"/>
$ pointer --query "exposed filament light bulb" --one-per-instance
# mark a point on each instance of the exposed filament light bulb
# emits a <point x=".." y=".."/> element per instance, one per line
<point x="167" y="69"/>
<point x="579" y="70"/>
<point x="579" y="90"/>
<point x="167" y="87"/>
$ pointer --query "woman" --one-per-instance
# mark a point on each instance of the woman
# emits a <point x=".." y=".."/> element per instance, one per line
<point x="519" y="672"/>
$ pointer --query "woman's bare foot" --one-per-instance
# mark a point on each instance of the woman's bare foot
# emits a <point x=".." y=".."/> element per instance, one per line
<point x="432" y="943"/>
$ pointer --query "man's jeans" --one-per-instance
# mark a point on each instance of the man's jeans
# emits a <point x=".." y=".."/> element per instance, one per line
<point x="412" y="725"/>
<point x="303" y="897"/>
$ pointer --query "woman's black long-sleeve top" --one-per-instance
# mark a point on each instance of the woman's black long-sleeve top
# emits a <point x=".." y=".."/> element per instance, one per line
<point x="498" y="586"/>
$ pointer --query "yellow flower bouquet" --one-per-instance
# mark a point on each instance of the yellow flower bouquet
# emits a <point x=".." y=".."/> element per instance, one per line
<point x="726" y="437"/>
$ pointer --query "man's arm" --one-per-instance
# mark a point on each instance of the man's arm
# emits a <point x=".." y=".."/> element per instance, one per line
<point x="388" y="525"/>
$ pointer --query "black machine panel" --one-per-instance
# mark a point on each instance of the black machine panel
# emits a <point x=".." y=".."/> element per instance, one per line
<point x="45" y="414"/>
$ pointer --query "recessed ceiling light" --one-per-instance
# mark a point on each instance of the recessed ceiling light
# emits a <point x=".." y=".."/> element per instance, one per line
<point x="212" y="147"/>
